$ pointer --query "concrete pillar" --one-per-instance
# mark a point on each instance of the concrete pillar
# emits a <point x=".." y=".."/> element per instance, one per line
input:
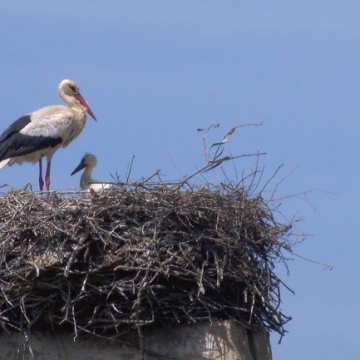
<point x="224" y="340"/>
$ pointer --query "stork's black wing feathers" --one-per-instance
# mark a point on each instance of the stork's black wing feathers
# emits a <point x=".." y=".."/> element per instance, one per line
<point x="15" y="127"/>
<point x="13" y="143"/>
<point x="20" y="145"/>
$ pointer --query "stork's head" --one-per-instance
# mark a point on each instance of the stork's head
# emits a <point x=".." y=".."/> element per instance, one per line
<point x="88" y="161"/>
<point x="69" y="91"/>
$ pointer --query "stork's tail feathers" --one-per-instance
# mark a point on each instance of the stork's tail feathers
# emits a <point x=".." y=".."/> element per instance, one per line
<point x="4" y="163"/>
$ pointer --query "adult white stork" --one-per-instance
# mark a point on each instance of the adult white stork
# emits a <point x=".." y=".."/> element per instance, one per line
<point x="88" y="162"/>
<point x="42" y="132"/>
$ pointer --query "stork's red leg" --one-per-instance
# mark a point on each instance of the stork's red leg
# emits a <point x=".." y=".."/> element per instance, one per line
<point x="41" y="181"/>
<point x="47" y="176"/>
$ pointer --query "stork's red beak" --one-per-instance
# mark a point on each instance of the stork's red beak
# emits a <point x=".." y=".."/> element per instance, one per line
<point x="83" y="103"/>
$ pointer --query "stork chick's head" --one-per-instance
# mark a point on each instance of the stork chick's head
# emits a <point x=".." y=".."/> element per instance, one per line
<point x="88" y="161"/>
<point x="69" y="92"/>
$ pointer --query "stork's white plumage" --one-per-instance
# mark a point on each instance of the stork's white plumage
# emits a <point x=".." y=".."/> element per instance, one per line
<point x="88" y="162"/>
<point x="43" y="132"/>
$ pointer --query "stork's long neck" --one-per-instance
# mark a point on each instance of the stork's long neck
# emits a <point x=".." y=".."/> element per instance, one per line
<point x="72" y="103"/>
<point x="79" y="118"/>
<point x="86" y="179"/>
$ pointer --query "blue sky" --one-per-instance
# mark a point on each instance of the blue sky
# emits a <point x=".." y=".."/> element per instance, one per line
<point x="154" y="71"/>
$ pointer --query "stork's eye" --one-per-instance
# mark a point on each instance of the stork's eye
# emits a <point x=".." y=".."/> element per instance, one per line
<point x="72" y="87"/>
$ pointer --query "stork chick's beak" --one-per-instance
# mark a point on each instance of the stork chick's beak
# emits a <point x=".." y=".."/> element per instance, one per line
<point x="83" y="103"/>
<point x="79" y="167"/>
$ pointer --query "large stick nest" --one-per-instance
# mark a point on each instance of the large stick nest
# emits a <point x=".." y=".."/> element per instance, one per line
<point x="123" y="259"/>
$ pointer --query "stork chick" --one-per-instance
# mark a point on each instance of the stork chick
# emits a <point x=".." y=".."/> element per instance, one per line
<point x="88" y="162"/>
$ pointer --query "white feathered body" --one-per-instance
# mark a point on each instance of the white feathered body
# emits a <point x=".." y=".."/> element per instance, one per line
<point x="88" y="183"/>
<point x="56" y="126"/>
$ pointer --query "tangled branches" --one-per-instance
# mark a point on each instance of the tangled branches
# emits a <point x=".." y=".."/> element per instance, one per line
<point x="111" y="262"/>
